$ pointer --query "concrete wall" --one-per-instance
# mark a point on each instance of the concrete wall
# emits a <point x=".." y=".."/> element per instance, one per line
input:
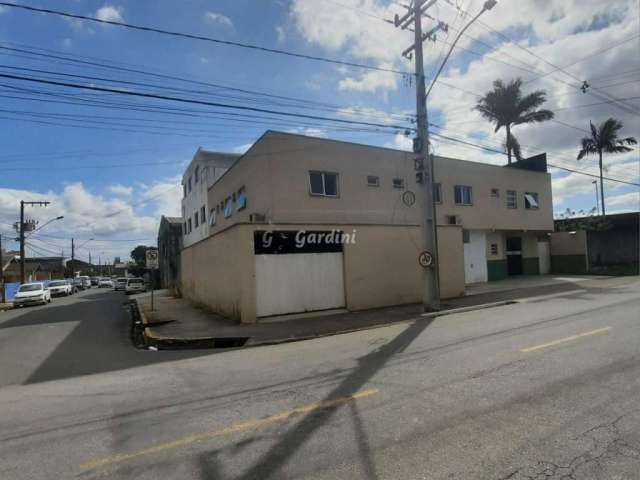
<point x="380" y="269"/>
<point x="275" y="173"/>
<point x="218" y="273"/>
<point x="569" y="252"/>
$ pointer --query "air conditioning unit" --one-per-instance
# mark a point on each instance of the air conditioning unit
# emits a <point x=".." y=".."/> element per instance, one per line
<point x="258" y="218"/>
<point x="454" y="220"/>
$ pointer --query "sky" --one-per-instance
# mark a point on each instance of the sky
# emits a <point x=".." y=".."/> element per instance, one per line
<point x="111" y="164"/>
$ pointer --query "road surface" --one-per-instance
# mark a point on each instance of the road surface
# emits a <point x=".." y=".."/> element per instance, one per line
<point x="548" y="389"/>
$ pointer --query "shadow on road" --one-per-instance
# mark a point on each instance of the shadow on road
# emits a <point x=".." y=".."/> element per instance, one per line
<point x="270" y="463"/>
<point x="100" y="342"/>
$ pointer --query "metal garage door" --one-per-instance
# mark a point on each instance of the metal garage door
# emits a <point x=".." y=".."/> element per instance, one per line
<point x="292" y="277"/>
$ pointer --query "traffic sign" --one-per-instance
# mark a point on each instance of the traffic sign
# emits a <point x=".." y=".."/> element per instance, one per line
<point x="425" y="259"/>
<point x="152" y="258"/>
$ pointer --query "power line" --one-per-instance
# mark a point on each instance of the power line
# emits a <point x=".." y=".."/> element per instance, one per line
<point x="202" y="38"/>
<point x="193" y="101"/>
<point x="493" y="150"/>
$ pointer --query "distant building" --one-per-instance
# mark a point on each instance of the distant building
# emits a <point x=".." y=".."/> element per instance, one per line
<point x="203" y="171"/>
<point x="596" y="245"/>
<point x="169" y="246"/>
<point x="302" y="224"/>
<point x="35" y="268"/>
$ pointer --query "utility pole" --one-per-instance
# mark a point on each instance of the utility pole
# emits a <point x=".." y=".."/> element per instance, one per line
<point x="424" y="161"/>
<point x="2" y="295"/>
<point x="73" y="255"/>
<point x="21" y="230"/>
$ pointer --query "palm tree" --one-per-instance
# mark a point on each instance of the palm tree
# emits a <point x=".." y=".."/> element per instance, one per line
<point x="605" y="139"/>
<point x="506" y="107"/>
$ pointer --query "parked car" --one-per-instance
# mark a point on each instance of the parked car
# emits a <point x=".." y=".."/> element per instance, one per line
<point x="135" y="285"/>
<point x="86" y="282"/>
<point x="105" y="283"/>
<point x="120" y="283"/>
<point x="72" y="285"/>
<point x="78" y="283"/>
<point x="60" y="287"/>
<point x="95" y="281"/>
<point x="31" y="294"/>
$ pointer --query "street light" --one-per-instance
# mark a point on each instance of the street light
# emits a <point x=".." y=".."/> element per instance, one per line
<point x="45" y="224"/>
<point x="488" y="5"/>
<point x="595" y="182"/>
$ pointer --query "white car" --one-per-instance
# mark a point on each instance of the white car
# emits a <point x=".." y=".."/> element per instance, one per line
<point x="105" y="283"/>
<point x="120" y="283"/>
<point x="135" y="285"/>
<point x="31" y="294"/>
<point x="60" y="287"/>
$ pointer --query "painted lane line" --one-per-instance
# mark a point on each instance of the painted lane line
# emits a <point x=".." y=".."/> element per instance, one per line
<point x="236" y="428"/>
<point x="565" y="340"/>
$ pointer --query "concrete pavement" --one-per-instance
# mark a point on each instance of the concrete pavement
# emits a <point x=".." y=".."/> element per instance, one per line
<point x="544" y="389"/>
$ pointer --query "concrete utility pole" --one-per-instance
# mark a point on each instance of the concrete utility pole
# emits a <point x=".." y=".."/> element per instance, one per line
<point x="2" y="296"/>
<point x="424" y="161"/>
<point x="73" y="257"/>
<point x="21" y="230"/>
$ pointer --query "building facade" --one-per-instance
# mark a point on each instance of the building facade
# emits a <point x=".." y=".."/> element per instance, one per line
<point x="203" y="171"/>
<point x="169" y="247"/>
<point x="269" y="249"/>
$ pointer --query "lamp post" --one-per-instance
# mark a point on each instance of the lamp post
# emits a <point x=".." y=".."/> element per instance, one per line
<point x="595" y="183"/>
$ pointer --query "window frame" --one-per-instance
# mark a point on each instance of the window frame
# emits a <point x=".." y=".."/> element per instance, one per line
<point x="196" y="223"/>
<point x="190" y="225"/>
<point x="212" y="217"/>
<point x="376" y="181"/>
<point x="323" y="175"/>
<point x="400" y="185"/>
<point x="203" y="215"/>
<point x="228" y="207"/>
<point x="512" y="195"/>
<point x="241" y="202"/>
<point x="437" y="199"/>
<point x="535" y="197"/>
<point x="463" y="203"/>
<point x="196" y="173"/>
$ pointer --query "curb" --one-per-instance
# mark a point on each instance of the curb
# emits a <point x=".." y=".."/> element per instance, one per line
<point x="235" y="343"/>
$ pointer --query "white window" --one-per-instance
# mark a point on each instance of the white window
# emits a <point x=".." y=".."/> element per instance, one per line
<point x="242" y="199"/>
<point x="373" y="181"/>
<point x="512" y="199"/>
<point x="228" y="207"/>
<point x="463" y="195"/>
<point x="437" y="193"/>
<point x="530" y="200"/>
<point x="212" y="217"/>
<point x="398" y="183"/>
<point x="323" y="184"/>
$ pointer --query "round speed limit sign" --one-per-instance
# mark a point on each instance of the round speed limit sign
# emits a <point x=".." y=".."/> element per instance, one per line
<point x="425" y="259"/>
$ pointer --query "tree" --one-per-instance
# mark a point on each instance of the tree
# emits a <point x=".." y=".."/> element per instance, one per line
<point x="605" y="139"/>
<point x="139" y="255"/>
<point x="506" y="107"/>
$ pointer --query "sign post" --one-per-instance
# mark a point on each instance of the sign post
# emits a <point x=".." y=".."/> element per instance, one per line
<point x="151" y="257"/>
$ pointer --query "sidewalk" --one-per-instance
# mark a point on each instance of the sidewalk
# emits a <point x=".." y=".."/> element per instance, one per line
<point x="175" y="323"/>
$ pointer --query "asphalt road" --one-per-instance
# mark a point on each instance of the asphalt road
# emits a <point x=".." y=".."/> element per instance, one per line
<point x="544" y="389"/>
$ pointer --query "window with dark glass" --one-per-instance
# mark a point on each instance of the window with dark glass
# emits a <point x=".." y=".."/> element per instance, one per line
<point x="323" y="184"/>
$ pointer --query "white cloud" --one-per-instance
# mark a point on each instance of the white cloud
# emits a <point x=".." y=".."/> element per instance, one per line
<point x="88" y="215"/>
<point x="371" y="81"/>
<point x="121" y="190"/>
<point x="110" y="13"/>
<point x="630" y="201"/>
<point x="281" y="34"/>
<point x="213" y="18"/>
<point x="242" y="148"/>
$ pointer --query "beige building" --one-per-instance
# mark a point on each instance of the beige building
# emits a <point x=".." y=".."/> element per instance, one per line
<point x="300" y="224"/>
